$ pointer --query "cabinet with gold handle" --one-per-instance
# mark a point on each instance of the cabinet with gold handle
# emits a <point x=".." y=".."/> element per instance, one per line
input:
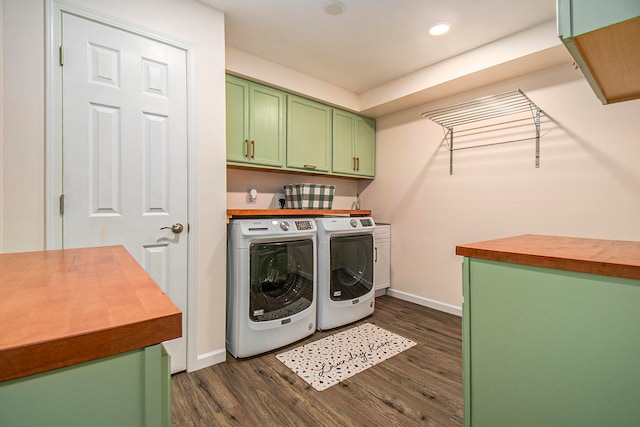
<point x="353" y="144"/>
<point x="255" y="115"/>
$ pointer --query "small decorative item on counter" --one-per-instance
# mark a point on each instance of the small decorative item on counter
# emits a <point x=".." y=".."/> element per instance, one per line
<point x="309" y="196"/>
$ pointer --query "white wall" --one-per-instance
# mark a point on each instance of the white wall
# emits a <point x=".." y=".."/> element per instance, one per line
<point x="240" y="181"/>
<point x="1" y="124"/>
<point x="588" y="183"/>
<point x="23" y="126"/>
<point x="23" y="139"/>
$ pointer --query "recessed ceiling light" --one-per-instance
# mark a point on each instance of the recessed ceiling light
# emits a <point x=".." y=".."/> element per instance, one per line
<point x="334" y="7"/>
<point x="439" y="29"/>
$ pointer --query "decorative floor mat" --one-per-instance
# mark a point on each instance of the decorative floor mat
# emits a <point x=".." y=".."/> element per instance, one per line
<point x="330" y="360"/>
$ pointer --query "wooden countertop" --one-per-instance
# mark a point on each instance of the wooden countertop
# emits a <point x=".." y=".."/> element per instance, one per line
<point x="616" y="258"/>
<point x="254" y="213"/>
<point x="64" y="307"/>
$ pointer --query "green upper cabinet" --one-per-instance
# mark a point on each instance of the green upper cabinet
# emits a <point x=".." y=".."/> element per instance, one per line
<point x="604" y="39"/>
<point x="255" y="124"/>
<point x="308" y="135"/>
<point x="354" y="144"/>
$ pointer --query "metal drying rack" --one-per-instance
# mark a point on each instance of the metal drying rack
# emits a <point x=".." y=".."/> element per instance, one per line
<point x="487" y="108"/>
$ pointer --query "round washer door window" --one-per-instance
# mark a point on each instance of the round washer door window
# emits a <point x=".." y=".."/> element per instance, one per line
<point x="281" y="279"/>
<point x="351" y="266"/>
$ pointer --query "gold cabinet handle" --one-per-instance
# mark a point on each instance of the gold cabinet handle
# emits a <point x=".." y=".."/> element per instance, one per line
<point x="253" y="149"/>
<point x="358" y="162"/>
<point x="246" y="148"/>
<point x="311" y="166"/>
<point x="354" y="163"/>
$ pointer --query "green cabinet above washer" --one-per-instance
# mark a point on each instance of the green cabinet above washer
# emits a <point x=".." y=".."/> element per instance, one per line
<point x="271" y="129"/>
<point x="255" y="124"/>
<point x="308" y="135"/>
<point x="354" y="144"/>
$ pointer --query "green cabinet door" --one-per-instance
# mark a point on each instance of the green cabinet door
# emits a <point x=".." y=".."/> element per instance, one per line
<point x="344" y="138"/>
<point x="127" y="390"/>
<point x="237" y="120"/>
<point x="255" y="124"/>
<point x="366" y="146"/>
<point x="308" y="135"/>
<point x="353" y="144"/>
<point x="546" y="347"/>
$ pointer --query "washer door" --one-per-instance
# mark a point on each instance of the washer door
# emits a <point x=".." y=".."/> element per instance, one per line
<point x="351" y="266"/>
<point x="281" y="279"/>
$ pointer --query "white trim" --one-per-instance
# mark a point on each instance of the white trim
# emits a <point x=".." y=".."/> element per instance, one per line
<point x="53" y="123"/>
<point x="426" y="302"/>
<point x="192" y="214"/>
<point x="53" y="144"/>
<point x="209" y="359"/>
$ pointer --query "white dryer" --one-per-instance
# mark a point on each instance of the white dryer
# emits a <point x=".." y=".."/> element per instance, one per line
<point x="271" y="284"/>
<point x="345" y="270"/>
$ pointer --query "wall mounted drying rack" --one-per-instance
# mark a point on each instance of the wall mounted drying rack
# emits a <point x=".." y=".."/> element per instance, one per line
<point x="484" y="109"/>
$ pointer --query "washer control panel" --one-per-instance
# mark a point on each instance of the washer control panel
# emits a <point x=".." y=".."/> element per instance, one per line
<point x="304" y="225"/>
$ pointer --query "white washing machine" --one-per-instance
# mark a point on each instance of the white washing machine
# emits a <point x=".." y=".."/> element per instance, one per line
<point x="271" y="284"/>
<point x="345" y="270"/>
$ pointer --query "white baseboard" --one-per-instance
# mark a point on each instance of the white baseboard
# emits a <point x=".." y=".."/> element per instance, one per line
<point x="209" y="359"/>
<point x="426" y="302"/>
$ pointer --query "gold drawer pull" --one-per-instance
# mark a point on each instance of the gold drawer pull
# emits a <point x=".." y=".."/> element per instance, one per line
<point x="311" y="166"/>
<point x="253" y="149"/>
<point x="246" y="148"/>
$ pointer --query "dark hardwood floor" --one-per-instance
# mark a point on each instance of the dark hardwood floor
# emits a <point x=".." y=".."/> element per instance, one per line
<point x="420" y="386"/>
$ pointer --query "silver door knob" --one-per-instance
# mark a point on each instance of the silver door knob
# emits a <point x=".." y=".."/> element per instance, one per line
<point x="176" y="228"/>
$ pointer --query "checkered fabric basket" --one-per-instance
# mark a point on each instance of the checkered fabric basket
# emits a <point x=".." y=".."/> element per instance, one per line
<point x="309" y="196"/>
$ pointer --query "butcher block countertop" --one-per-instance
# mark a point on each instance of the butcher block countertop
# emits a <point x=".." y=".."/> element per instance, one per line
<point x="64" y="307"/>
<point x="258" y="213"/>
<point x="615" y="258"/>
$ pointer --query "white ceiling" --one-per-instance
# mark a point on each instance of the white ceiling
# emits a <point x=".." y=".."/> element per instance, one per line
<point x="372" y="42"/>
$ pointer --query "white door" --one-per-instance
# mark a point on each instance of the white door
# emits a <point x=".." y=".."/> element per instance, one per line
<point x="125" y="152"/>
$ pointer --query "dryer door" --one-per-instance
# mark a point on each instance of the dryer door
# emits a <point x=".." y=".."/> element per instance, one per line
<point x="351" y="266"/>
<point x="281" y="279"/>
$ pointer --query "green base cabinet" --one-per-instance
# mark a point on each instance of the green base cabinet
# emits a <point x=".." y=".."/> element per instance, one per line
<point x="308" y="135"/>
<point x="354" y="144"/>
<point x="255" y="124"/>
<point x="547" y="347"/>
<point x="132" y="389"/>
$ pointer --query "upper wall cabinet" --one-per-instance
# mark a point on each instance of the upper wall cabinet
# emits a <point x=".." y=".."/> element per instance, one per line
<point x="604" y="40"/>
<point x="255" y="124"/>
<point x="354" y="144"/>
<point x="308" y="135"/>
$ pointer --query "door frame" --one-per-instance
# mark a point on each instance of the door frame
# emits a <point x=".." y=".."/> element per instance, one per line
<point x="53" y="144"/>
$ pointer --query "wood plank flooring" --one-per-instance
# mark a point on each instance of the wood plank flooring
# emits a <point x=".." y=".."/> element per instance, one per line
<point x="421" y="386"/>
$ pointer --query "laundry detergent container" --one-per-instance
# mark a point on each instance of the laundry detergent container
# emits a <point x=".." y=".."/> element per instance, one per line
<point x="309" y="196"/>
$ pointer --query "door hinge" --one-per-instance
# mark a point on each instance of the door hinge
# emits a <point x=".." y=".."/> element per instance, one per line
<point x="62" y="204"/>
<point x="61" y="55"/>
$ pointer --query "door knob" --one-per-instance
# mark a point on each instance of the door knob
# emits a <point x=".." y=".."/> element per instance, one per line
<point x="176" y="228"/>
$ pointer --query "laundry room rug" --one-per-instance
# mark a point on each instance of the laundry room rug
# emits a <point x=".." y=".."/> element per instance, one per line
<point x="337" y="357"/>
